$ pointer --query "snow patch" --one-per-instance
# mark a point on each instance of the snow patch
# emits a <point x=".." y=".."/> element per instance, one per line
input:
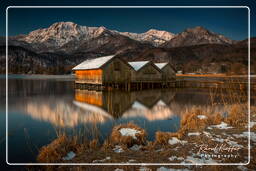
<point x="118" y="149"/>
<point x="222" y="125"/>
<point x="245" y="135"/>
<point x="207" y="134"/>
<point x="243" y="168"/>
<point x="69" y="156"/>
<point x="159" y="150"/>
<point x="175" y="158"/>
<point x="195" y="159"/>
<point x="144" y="169"/>
<point x="228" y="141"/>
<point x="131" y="160"/>
<point x="194" y="133"/>
<point x="117" y="169"/>
<point x="235" y="144"/>
<point x="100" y="161"/>
<point x="135" y="147"/>
<point x="252" y="123"/>
<point x="175" y="140"/>
<point x="201" y="116"/>
<point x="129" y="132"/>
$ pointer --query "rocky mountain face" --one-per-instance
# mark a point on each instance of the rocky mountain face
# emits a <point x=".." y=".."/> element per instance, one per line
<point x="55" y="50"/>
<point x="67" y="37"/>
<point x="197" y="36"/>
<point x="59" y="34"/>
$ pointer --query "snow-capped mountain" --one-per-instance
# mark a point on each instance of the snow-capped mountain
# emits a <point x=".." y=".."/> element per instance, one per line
<point x="67" y="37"/>
<point x="196" y="36"/>
<point x="58" y="48"/>
<point x="153" y="36"/>
<point x="61" y="34"/>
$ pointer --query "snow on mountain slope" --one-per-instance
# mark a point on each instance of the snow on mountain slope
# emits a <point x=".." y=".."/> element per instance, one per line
<point x="68" y="36"/>
<point x="61" y="33"/>
<point x="156" y="37"/>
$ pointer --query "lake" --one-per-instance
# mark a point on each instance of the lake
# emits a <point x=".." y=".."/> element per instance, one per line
<point x="42" y="107"/>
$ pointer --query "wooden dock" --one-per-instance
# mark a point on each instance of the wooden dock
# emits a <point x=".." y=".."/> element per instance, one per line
<point x="125" y="86"/>
<point x="135" y="86"/>
<point x="212" y="84"/>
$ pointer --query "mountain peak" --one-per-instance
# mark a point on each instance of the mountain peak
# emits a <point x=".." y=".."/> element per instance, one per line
<point x="196" y="36"/>
<point x="155" y="31"/>
<point x="198" y="29"/>
<point x="152" y="30"/>
<point x="63" y="25"/>
<point x="101" y="29"/>
<point x="60" y="33"/>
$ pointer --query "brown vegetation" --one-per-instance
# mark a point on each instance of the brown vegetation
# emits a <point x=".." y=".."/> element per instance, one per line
<point x="159" y="150"/>
<point x="56" y="150"/>
<point x="238" y="115"/>
<point x="117" y="138"/>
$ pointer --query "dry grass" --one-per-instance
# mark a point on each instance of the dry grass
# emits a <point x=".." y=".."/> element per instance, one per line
<point x="56" y="150"/>
<point x="163" y="137"/>
<point x="117" y="138"/>
<point x="149" y="152"/>
<point x="237" y="115"/>
<point x="190" y="120"/>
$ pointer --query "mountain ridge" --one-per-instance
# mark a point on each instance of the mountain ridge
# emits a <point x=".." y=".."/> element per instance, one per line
<point x="58" y="48"/>
<point x="58" y="35"/>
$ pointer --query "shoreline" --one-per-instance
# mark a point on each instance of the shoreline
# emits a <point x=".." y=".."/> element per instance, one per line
<point x="196" y="141"/>
<point x="37" y="76"/>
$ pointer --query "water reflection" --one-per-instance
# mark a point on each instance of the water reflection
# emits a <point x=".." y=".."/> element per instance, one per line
<point x="100" y="107"/>
<point x="40" y="105"/>
<point x="118" y="103"/>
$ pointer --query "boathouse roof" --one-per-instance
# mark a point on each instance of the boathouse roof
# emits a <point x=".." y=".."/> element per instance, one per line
<point x="161" y="65"/>
<point x="93" y="63"/>
<point x="138" y="65"/>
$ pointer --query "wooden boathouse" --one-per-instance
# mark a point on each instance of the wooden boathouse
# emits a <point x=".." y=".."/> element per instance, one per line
<point x="111" y="72"/>
<point x="145" y="74"/>
<point x="168" y="74"/>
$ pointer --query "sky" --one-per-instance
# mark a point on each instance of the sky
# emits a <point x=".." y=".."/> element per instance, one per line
<point x="231" y="22"/>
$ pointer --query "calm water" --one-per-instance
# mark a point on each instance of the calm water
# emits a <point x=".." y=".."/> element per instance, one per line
<point x="38" y="108"/>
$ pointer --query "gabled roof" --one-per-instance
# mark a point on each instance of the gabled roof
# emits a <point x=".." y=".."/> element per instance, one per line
<point x="93" y="63"/>
<point x="161" y="65"/>
<point x="138" y="65"/>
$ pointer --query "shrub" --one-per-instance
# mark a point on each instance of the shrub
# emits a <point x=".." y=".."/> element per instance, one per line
<point x="117" y="138"/>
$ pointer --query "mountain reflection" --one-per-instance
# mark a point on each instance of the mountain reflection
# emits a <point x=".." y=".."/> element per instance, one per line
<point x="102" y="106"/>
<point x="63" y="114"/>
